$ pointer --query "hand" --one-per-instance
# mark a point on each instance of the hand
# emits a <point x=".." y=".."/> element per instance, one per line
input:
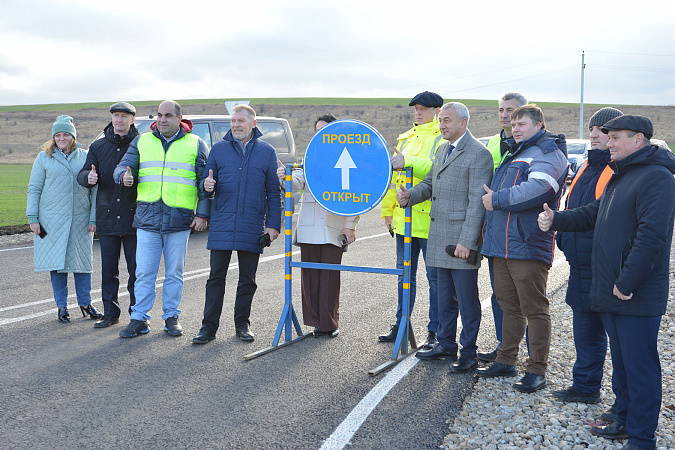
<point x="92" y="228"/>
<point x="487" y="198"/>
<point x="35" y="228"/>
<point x="92" y="178"/>
<point x="281" y="170"/>
<point x="209" y="182"/>
<point x="273" y="233"/>
<point x="388" y="220"/>
<point x="349" y="233"/>
<point x="128" y="178"/>
<point x="403" y="196"/>
<point x="199" y="224"/>
<point x="545" y="218"/>
<point x="461" y="251"/>
<point x="620" y="296"/>
<point x="397" y="160"/>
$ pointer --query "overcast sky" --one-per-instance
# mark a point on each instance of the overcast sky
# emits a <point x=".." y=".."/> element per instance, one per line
<point x="88" y="51"/>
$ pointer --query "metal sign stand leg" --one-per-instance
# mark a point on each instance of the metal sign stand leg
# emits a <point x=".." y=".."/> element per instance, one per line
<point x="288" y="317"/>
<point x="405" y="333"/>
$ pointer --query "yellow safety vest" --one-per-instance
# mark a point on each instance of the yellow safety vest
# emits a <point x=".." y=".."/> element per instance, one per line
<point x="169" y="175"/>
<point x="495" y="147"/>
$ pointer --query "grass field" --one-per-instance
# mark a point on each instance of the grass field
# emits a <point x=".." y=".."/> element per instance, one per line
<point x="13" y="189"/>
<point x="271" y="101"/>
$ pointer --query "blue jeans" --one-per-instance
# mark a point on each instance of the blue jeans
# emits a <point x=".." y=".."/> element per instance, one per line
<point x="416" y="245"/>
<point x="60" y="288"/>
<point x="149" y="248"/>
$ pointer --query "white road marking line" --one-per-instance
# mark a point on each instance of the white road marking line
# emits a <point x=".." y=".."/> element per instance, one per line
<point x="11" y="249"/>
<point x="345" y="431"/>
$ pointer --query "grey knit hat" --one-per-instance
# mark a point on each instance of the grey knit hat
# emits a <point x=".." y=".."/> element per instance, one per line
<point x="602" y="116"/>
<point x="64" y="123"/>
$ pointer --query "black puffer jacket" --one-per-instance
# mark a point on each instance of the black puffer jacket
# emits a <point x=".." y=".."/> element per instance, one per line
<point x="633" y="230"/>
<point x="115" y="203"/>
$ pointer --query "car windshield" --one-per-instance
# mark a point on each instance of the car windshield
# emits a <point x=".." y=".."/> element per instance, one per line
<point x="576" y="149"/>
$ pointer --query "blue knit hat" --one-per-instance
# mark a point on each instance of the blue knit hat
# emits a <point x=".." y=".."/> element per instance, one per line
<point x="64" y="123"/>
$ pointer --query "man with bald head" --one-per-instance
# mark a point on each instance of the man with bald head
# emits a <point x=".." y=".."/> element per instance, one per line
<point x="165" y="165"/>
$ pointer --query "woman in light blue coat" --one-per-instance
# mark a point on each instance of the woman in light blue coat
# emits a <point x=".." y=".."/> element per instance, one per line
<point x="62" y="215"/>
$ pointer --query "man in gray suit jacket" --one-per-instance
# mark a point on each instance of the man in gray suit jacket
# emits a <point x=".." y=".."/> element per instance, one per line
<point x="455" y="187"/>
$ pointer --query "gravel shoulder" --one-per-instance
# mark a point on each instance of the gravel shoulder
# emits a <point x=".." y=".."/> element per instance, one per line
<point x="495" y="416"/>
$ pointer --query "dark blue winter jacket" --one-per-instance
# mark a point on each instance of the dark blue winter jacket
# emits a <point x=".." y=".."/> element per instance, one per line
<point x="577" y="246"/>
<point x="247" y="194"/>
<point x="632" y="227"/>
<point x="532" y="175"/>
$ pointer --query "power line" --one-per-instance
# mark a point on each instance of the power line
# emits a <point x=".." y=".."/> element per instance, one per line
<point x="515" y="79"/>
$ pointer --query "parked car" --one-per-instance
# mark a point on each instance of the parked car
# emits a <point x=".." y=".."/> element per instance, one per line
<point x="484" y="140"/>
<point x="577" y="154"/>
<point x="212" y="128"/>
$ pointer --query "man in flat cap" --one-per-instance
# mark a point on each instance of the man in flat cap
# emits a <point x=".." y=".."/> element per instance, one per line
<point x="633" y="230"/>
<point x="115" y="208"/>
<point x="416" y="148"/>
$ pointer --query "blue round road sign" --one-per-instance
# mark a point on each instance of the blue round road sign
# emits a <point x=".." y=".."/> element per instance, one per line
<point x="347" y="167"/>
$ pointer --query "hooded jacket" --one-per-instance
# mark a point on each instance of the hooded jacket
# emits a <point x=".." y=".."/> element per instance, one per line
<point x="632" y="227"/>
<point x="247" y="195"/>
<point x="577" y="246"/>
<point x="532" y="175"/>
<point x="157" y="216"/>
<point x="115" y="203"/>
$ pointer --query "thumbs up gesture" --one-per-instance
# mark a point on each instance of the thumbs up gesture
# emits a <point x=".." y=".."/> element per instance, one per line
<point x="545" y="218"/>
<point x="487" y="198"/>
<point x="92" y="178"/>
<point x="128" y="178"/>
<point x="281" y="170"/>
<point x="397" y="160"/>
<point x="209" y="182"/>
<point x="403" y="196"/>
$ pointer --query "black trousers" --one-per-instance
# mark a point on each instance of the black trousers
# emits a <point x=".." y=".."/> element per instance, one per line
<point x="215" y="288"/>
<point x="111" y="247"/>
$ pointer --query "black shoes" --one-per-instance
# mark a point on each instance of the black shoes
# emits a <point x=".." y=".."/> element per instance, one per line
<point x="93" y="314"/>
<point x="244" y="333"/>
<point x="464" y="364"/>
<point x="487" y="357"/>
<point x="135" y="328"/>
<point x="317" y="332"/>
<point x="204" y="336"/>
<point x="63" y="314"/>
<point x="530" y="383"/>
<point x="437" y="352"/>
<point x="333" y="333"/>
<point x="105" y="322"/>
<point x="172" y="327"/>
<point x="431" y="341"/>
<point x="497" y="370"/>
<point x="389" y="337"/>
<point x="610" y="415"/>
<point x="572" y="394"/>
<point x="611" y="431"/>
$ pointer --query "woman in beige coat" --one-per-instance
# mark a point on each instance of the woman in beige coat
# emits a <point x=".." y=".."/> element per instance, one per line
<point x="322" y="237"/>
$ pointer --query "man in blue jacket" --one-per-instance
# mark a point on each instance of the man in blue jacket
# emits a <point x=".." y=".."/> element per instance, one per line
<point x="534" y="173"/>
<point x="246" y="216"/>
<point x="590" y="339"/>
<point x="632" y="225"/>
<point x="166" y="165"/>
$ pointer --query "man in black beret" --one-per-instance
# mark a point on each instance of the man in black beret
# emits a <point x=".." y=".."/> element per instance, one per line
<point x="416" y="148"/>
<point x="633" y="230"/>
<point x="115" y="208"/>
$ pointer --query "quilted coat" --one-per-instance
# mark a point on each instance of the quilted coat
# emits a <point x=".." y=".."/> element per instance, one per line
<point x="65" y="210"/>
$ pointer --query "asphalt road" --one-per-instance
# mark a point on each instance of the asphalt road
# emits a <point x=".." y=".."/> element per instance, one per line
<point x="73" y="386"/>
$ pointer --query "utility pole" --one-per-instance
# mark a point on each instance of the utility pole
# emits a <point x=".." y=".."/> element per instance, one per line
<point x="581" y="114"/>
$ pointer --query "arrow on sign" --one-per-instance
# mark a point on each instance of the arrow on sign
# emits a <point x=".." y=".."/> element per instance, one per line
<point x="344" y="163"/>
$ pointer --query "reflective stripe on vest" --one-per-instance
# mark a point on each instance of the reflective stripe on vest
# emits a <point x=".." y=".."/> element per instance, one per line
<point x="600" y="186"/>
<point x="169" y="175"/>
<point x="432" y="154"/>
